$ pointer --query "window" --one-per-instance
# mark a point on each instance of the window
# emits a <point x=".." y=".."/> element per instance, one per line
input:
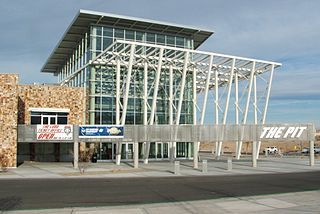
<point x="106" y="42"/>
<point x="179" y="42"/>
<point x="119" y="33"/>
<point x="129" y="35"/>
<point x="160" y="39"/>
<point x="139" y="36"/>
<point x="50" y="118"/>
<point x="151" y="37"/>
<point x="107" y="32"/>
<point x="170" y="40"/>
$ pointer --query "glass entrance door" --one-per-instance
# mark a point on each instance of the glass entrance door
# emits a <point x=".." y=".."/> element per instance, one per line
<point x="159" y="150"/>
<point x="126" y="151"/>
<point x="184" y="150"/>
<point x="106" y="151"/>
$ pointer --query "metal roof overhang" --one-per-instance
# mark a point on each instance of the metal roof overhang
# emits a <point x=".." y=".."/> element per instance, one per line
<point x="85" y="18"/>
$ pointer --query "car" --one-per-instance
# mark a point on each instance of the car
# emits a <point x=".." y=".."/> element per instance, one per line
<point x="271" y="150"/>
<point x="307" y="150"/>
<point x="316" y="150"/>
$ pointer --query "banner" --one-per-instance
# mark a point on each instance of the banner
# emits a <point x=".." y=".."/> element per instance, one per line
<point x="101" y="131"/>
<point x="55" y="132"/>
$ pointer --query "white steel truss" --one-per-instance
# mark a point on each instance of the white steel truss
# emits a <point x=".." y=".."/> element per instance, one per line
<point x="216" y="75"/>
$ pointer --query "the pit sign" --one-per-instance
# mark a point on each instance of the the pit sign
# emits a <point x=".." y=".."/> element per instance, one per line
<point x="282" y="132"/>
<point x="55" y="132"/>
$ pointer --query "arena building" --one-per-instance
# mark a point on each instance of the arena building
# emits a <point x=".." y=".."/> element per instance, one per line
<point x="120" y="70"/>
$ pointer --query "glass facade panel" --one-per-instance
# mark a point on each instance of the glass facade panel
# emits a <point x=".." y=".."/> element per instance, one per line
<point x="119" y="33"/>
<point x="107" y="32"/>
<point x="151" y="37"/>
<point x="139" y="36"/>
<point x="161" y="39"/>
<point x="107" y="41"/>
<point x="180" y="42"/>
<point x="101" y="82"/>
<point x="129" y="35"/>
<point x="170" y="41"/>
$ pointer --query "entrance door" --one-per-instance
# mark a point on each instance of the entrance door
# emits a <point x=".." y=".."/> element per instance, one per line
<point x="159" y="150"/>
<point x="162" y="151"/>
<point x="106" y="151"/>
<point x="184" y="150"/>
<point x="126" y="151"/>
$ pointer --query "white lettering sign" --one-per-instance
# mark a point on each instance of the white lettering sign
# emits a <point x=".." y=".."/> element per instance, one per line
<point x="282" y="132"/>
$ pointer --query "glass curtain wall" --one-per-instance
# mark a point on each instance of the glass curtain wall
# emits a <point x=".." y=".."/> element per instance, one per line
<point x="102" y="86"/>
<point x="103" y="80"/>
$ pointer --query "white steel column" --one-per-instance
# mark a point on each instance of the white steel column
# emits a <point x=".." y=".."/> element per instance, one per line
<point x="247" y="106"/>
<point x="145" y="94"/>
<point x="236" y="104"/>
<point x="172" y="149"/>
<point x="128" y="81"/>
<point x="266" y="105"/>
<point x="255" y="117"/>
<point x="205" y="98"/>
<point x="224" y="121"/>
<point x="196" y="144"/>
<point x="216" y="106"/>
<point x="125" y="99"/>
<point x="118" y="144"/>
<point x="92" y="84"/>
<point x="118" y="92"/>
<point x="156" y="88"/>
<point x="183" y="82"/>
<point x="154" y="100"/>
<point x="145" y="105"/>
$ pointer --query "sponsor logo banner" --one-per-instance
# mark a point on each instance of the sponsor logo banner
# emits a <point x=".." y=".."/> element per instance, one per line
<point x="101" y="131"/>
<point x="55" y="132"/>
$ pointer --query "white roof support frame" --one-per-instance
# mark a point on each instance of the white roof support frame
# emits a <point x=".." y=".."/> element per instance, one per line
<point x="211" y="72"/>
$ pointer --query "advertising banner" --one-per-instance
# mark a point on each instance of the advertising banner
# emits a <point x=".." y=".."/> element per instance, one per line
<point x="55" y="132"/>
<point x="101" y="131"/>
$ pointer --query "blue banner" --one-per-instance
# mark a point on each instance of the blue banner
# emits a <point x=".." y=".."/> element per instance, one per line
<point x="101" y="131"/>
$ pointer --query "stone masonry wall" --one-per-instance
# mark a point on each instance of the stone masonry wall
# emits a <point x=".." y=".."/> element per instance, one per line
<point x="44" y="96"/>
<point x="8" y="119"/>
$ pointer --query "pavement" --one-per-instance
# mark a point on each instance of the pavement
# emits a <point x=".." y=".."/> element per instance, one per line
<point x="293" y="203"/>
<point x="269" y="164"/>
<point x="297" y="202"/>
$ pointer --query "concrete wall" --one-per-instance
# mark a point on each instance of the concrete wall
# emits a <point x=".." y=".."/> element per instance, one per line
<point x="8" y="119"/>
<point x="44" y="96"/>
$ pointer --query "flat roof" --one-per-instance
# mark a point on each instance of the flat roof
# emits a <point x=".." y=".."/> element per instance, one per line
<point x="85" y="18"/>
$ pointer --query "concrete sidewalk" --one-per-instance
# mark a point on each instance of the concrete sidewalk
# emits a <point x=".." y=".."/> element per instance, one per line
<point x="301" y="202"/>
<point x="159" y="168"/>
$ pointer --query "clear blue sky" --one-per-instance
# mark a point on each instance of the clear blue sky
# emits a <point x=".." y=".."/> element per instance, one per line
<point x="285" y="31"/>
